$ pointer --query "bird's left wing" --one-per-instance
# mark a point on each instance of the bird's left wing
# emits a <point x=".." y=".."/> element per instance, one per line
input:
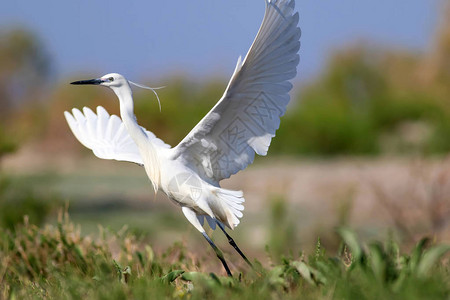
<point x="106" y="135"/>
<point x="248" y="114"/>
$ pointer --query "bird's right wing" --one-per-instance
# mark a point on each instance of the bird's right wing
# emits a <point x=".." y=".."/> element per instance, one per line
<point x="245" y="119"/>
<point x="106" y="135"/>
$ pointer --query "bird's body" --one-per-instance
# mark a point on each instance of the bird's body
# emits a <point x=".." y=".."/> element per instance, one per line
<point x="170" y="174"/>
<point x="224" y="142"/>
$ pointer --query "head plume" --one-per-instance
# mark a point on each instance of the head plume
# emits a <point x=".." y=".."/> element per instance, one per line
<point x="149" y="88"/>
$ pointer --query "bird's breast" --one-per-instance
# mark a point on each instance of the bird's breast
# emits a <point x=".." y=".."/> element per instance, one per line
<point x="182" y="185"/>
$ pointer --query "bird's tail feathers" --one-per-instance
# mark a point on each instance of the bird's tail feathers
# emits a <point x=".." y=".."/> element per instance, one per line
<point x="231" y="202"/>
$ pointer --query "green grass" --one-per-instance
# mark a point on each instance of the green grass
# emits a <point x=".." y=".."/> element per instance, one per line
<point x="56" y="261"/>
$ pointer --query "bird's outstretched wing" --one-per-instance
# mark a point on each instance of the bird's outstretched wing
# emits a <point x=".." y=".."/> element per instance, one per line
<point x="106" y="135"/>
<point x="248" y="114"/>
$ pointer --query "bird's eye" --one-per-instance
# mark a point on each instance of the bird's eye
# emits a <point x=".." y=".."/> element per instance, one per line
<point x="111" y="78"/>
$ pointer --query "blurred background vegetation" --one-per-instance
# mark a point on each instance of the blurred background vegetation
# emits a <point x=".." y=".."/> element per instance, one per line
<point x="369" y="101"/>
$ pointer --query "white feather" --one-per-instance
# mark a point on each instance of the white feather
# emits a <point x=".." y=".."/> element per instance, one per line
<point x="106" y="135"/>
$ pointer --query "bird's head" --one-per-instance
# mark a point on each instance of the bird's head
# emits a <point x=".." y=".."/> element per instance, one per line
<point x="112" y="80"/>
<point x="116" y="81"/>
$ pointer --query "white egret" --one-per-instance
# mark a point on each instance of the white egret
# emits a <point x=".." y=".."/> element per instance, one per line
<point x="224" y="142"/>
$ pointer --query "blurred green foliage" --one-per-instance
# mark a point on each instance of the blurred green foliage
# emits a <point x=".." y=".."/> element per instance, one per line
<point x="354" y="107"/>
<point x="24" y="69"/>
<point x="282" y="231"/>
<point x="7" y="144"/>
<point x="17" y="200"/>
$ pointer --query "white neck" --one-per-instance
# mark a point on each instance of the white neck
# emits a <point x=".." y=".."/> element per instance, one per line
<point x="146" y="148"/>
<point x="125" y="96"/>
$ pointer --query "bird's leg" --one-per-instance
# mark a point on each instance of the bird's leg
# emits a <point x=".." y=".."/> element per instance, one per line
<point x="218" y="253"/>
<point x="192" y="217"/>
<point x="232" y="243"/>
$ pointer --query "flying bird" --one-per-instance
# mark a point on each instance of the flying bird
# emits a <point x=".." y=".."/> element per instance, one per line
<point x="242" y="123"/>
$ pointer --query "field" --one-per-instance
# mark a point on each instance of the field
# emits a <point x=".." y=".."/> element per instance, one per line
<point x="326" y="229"/>
<point x="57" y="262"/>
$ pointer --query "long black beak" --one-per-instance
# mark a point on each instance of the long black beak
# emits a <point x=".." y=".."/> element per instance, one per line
<point x="90" y="81"/>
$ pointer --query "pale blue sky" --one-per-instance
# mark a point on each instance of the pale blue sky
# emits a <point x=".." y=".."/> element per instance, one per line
<point x="204" y="38"/>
